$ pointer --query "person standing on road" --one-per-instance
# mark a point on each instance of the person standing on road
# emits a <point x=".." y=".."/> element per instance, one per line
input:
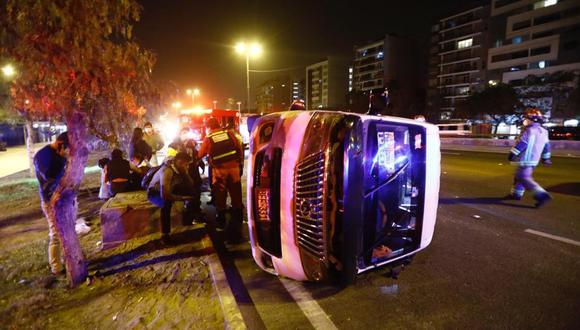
<point x="154" y="140"/>
<point x="531" y="146"/>
<point x="171" y="184"/>
<point x="226" y="158"/>
<point x="49" y="164"/>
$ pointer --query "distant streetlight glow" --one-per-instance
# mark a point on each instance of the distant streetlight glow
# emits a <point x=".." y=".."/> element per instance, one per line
<point x="193" y="92"/>
<point x="8" y="71"/>
<point x="252" y="50"/>
<point x="176" y="105"/>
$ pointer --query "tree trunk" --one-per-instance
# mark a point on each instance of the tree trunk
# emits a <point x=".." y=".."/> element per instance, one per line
<point x="29" y="147"/>
<point x="63" y="203"/>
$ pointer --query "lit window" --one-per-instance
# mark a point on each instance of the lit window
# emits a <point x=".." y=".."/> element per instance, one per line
<point x="350" y="70"/>
<point x="380" y="55"/>
<point x="542" y="64"/>
<point x="465" y="43"/>
<point x="350" y="76"/>
<point x="517" y="40"/>
<point x="544" y="3"/>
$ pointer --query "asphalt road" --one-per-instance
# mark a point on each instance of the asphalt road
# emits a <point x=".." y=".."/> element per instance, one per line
<point x="489" y="271"/>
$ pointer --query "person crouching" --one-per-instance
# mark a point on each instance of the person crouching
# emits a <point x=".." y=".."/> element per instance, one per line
<point x="171" y="183"/>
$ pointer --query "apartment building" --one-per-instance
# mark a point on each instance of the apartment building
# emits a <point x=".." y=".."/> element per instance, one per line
<point x="533" y="38"/>
<point x="458" y="57"/>
<point x="391" y="62"/>
<point x="327" y="84"/>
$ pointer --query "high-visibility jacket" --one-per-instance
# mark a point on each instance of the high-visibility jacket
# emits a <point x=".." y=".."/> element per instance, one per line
<point x="531" y="146"/>
<point x="223" y="147"/>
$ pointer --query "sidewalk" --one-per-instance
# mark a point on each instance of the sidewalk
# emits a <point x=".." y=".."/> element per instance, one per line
<point x="14" y="159"/>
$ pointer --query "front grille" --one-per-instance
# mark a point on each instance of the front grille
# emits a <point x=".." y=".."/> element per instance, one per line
<point x="309" y="204"/>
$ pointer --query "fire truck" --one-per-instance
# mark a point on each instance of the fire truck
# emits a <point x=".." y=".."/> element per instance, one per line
<point x="196" y="120"/>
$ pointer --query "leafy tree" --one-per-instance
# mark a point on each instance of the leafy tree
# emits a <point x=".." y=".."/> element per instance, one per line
<point x="498" y="103"/>
<point x="77" y="62"/>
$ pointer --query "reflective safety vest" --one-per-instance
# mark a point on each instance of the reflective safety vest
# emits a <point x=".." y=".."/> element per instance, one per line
<point x="223" y="147"/>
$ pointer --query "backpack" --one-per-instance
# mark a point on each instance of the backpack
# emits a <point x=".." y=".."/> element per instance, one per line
<point x="149" y="176"/>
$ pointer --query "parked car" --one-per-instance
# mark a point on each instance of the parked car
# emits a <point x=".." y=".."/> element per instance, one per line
<point x="454" y="129"/>
<point x="564" y="133"/>
<point x="331" y="195"/>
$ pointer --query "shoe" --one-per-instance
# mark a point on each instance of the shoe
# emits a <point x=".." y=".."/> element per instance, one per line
<point x="199" y="218"/>
<point x="220" y="221"/>
<point x="542" y="198"/>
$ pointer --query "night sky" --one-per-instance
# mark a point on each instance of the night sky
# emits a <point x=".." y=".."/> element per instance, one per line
<point x="194" y="40"/>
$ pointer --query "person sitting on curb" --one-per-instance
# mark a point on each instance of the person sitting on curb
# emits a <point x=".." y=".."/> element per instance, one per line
<point x="185" y="143"/>
<point x="170" y="184"/>
<point x="118" y="172"/>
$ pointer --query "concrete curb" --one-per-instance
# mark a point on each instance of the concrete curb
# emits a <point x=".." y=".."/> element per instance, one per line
<point x="232" y="314"/>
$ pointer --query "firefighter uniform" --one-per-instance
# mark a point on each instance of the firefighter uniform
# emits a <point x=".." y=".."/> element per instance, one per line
<point x="226" y="158"/>
<point x="532" y="146"/>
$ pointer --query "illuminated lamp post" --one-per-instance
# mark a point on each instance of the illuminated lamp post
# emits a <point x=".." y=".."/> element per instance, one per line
<point x="252" y="50"/>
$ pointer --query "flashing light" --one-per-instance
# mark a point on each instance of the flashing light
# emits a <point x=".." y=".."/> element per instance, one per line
<point x="196" y="111"/>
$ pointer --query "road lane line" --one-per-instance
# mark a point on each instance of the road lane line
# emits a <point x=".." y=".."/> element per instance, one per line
<point x="315" y="314"/>
<point x="554" y="237"/>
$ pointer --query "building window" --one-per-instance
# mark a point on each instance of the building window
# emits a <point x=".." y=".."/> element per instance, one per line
<point x="462" y="90"/>
<point x="380" y="55"/>
<point x="540" y="50"/>
<point x="521" y="25"/>
<point x="542" y="64"/>
<point x="465" y="43"/>
<point x="517" y="40"/>
<point x="544" y="3"/>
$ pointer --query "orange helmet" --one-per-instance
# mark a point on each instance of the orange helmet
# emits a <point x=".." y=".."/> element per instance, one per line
<point x="534" y="114"/>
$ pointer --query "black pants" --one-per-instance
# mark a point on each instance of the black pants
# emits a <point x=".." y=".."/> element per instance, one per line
<point x="190" y="209"/>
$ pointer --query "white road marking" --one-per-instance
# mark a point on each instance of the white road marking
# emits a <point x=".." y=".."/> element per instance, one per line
<point x="315" y="314"/>
<point x="554" y="237"/>
<point x="232" y="314"/>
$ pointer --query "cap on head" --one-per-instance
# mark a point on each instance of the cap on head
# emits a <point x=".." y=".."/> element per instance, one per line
<point x="213" y="123"/>
<point x="534" y="115"/>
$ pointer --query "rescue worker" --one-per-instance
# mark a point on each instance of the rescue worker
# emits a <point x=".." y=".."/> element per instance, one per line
<point x="185" y="143"/>
<point x="226" y="158"/>
<point x="531" y="146"/>
<point x="170" y="184"/>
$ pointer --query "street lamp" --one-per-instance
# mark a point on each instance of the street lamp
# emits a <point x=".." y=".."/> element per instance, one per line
<point x="176" y="105"/>
<point x="8" y="71"/>
<point x="193" y="92"/>
<point x="251" y="50"/>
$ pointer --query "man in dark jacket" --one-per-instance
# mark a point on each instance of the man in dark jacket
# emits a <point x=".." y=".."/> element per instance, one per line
<point x="170" y="184"/>
<point x="49" y="164"/>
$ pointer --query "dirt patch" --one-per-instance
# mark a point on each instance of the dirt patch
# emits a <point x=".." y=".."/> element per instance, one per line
<point x="140" y="284"/>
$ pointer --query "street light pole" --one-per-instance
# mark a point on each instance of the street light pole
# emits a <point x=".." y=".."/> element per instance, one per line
<point x="247" y="82"/>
